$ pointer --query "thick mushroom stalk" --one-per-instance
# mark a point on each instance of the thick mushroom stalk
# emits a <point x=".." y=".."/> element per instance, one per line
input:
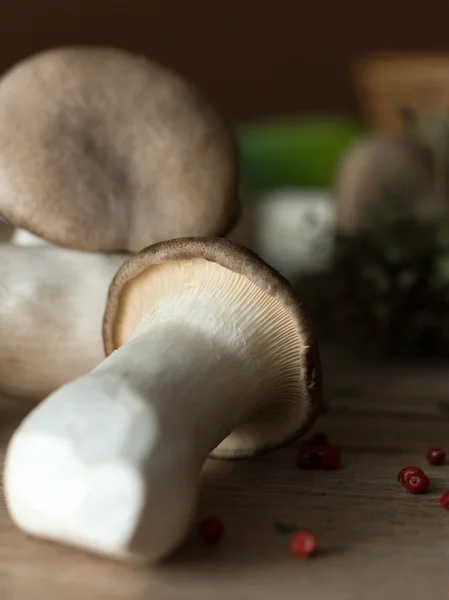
<point x="51" y="306"/>
<point x="206" y="361"/>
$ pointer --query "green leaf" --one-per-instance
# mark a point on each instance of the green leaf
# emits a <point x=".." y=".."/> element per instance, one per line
<point x="286" y="527"/>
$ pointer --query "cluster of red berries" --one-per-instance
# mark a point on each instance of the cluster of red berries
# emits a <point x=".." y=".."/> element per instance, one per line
<point x="318" y="453"/>
<point x="416" y="481"/>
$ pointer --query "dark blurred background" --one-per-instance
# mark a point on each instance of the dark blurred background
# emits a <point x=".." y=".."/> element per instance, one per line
<point x="254" y="59"/>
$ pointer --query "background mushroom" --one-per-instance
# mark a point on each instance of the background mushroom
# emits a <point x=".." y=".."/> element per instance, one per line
<point x="379" y="173"/>
<point x="209" y="352"/>
<point x="103" y="150"/>
<point x="51" y="307"/>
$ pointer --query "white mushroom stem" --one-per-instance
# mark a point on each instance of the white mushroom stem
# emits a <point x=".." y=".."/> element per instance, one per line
<point x="110" y="462"/>
<point x="51" y="307"/>
<point x="197" y="389"/>
<point x="22" y="237"/>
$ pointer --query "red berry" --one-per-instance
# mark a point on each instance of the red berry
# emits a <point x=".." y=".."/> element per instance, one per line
<point x="330" y="457"/>
<point x="406" y="473"/>
<point x="436" y="456"/>
<point x="417" y="483"/>
<point x="211" y="530"/>
<point x="444" y="500"/>
<point x="304" y="544"/>
<point x="319" y="456"/>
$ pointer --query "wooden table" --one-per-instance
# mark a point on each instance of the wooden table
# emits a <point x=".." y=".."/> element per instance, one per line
<point x="378" y="541"/>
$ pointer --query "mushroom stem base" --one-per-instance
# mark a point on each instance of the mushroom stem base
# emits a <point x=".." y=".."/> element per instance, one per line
<point x="115" y="455"/>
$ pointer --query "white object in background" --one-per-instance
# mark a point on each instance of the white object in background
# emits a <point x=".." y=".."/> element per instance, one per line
<point x="295" y="229"/>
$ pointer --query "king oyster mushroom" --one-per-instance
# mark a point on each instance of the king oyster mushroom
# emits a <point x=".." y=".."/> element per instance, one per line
<point x="209" y="351"/>
<point x="103" y="150"/>
<point x="51" y="307"/>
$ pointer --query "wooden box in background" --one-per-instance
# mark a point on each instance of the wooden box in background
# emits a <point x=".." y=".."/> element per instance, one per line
<point x="386" y="81"/>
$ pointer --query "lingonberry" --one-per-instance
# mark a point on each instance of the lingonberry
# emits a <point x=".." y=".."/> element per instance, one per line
<point x="304" y="544"/>
<point x="318" y="456"/>
<point x="330" y="457"/>
<point x="211" y="530"/>
<point x="436" y="456"/>
<point x="417" y="483"/>
<point x="406" y="473"/>
<point x="444" y="500"/>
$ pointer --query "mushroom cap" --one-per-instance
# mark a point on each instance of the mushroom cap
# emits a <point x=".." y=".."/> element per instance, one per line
<point x="267" y="307"/>
<point x="376" y="173"/>
<point x="104" y="150"/>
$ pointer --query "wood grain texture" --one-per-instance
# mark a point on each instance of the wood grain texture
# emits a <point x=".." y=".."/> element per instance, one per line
<point x="378" y="541"/>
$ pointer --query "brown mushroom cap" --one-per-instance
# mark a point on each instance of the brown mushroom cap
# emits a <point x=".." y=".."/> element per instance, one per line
<point x="376" y="173"/>
<point x="265" y="301"/>
<point x="103" y="150"/>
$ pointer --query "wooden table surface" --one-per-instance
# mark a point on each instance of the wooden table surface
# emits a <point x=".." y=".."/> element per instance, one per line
<point x="378" y="541"/>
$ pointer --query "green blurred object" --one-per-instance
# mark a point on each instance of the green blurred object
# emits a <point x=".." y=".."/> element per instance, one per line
<point x="295" y="151"/>
<point x="286" y="527"/>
